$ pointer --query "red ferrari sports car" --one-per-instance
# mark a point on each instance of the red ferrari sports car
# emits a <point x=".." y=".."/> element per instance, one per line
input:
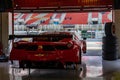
<point x="48" y="50"/>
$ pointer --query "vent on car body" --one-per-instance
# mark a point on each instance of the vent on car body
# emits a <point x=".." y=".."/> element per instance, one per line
<point x="48" y="48"/>
<point x="32" y="47"/>
<point x="61" y="47"/>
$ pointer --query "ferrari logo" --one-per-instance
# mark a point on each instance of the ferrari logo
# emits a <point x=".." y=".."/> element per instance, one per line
<point x="39" y="54"/>
<point x="40" y="47"/>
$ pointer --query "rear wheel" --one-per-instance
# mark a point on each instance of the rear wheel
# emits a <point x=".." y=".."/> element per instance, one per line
<point x="80" y="56"/>
<point x="78" y="67"/>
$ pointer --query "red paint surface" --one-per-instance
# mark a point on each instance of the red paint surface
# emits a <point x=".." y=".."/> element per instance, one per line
<point x="76" y="18"/>
<point x="48" y="3"/>
<point x="70" y="54"/>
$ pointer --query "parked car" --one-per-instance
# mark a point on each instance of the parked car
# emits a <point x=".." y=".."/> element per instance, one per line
<point x="48" y="50"/>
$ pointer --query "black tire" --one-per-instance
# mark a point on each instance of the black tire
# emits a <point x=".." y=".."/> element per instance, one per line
<point x="109" y="40"/>
<point x="109" y="56"/>
<point x="109" y="29"/>
<point x="109" y="48"/>
<point x="113" y="51"/>
<point x="109" y="43"/>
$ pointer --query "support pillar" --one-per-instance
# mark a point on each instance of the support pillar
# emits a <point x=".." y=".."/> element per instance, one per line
<point x="0" y="27"/>
<point x="116" y="20"/>
<point x="4" y="29"/>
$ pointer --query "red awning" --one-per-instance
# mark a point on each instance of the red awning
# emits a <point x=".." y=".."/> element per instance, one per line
<point x="62" y="5"/>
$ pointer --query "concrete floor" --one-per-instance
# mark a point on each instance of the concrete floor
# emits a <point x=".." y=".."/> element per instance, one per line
<point x="94" y="68"/>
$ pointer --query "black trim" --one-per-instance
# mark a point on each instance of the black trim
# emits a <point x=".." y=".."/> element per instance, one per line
<point x="116" y="4"/>
<point x="31" y="36"/>
<point x="6" y="4"/>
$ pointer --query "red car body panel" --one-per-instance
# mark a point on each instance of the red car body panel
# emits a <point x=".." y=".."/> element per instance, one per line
<point x="63" y="50"/>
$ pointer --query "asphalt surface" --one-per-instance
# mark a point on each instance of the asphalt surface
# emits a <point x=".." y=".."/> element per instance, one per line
<point x="93" y="53"/>
<point x="94" y="47"/>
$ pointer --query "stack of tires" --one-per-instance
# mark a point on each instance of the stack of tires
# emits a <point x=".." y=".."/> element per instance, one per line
<point x="109" y="48"/>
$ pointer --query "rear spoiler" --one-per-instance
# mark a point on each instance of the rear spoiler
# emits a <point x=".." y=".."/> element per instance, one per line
<point x="32" y="36"/>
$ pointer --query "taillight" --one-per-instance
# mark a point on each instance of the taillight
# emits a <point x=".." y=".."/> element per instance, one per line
<point x="19" y="45"/>
<point x="69" y="44"/>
